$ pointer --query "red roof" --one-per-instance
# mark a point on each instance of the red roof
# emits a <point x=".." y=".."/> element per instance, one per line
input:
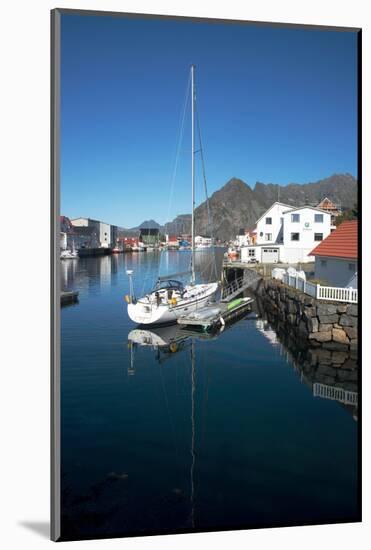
<point x="341" y="243"/>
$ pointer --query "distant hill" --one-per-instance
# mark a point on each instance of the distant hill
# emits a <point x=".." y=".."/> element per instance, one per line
<point x="236" y="205"/>
<point x="147" y="224"/>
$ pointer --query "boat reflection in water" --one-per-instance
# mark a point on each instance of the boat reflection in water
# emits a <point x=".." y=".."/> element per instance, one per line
<point x="329" y="375"/>
<point x="168" y="340"/>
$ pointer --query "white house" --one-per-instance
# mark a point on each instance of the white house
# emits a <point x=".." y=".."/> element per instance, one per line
<point x="336" y="256"/>
<point x="288" y="234"/>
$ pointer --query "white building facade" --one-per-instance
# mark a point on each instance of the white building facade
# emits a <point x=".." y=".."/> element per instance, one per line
<point x="269" y="227"/>
<point x="303" y="229"/>
<point x="287" y="234"/>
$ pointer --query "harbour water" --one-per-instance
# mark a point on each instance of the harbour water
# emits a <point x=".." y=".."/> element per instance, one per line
<point x="215" y="432"/>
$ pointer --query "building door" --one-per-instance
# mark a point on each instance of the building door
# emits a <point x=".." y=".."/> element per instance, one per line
<point x="270" y="255"/>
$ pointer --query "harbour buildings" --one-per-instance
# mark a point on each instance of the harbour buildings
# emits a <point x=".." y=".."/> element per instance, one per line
<point x="149" y="236"/>
<point x="91" y="233"/>
<point x="203" y="241"/>
<point x="172" y="241"/>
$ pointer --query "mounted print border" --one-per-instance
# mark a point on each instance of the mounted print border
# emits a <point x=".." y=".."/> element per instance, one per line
<point x="203" y="402"/>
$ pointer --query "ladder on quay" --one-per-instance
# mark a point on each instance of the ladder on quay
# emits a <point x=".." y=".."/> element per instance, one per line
<point x="234" y="288"/>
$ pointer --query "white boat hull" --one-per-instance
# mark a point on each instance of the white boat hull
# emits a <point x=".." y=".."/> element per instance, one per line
<point x="145" y="313"/>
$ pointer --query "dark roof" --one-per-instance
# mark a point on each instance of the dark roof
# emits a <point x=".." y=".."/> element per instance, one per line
<point x="341" y="243"/>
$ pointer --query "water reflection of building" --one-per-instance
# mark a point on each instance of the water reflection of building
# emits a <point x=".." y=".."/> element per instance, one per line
<point x="264" y="327"/>
<point x="68" y="270"/>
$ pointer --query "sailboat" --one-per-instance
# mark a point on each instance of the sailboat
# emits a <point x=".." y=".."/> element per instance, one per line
<point x="170" y="299"/>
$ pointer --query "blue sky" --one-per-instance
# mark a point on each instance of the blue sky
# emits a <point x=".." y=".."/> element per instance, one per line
<point x="276" y="105"/>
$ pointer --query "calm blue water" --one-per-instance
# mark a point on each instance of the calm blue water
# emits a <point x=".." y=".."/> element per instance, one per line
<point x="219" y="433"/>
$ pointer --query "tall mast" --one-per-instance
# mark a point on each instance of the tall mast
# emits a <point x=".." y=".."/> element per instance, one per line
<point x="193" y="278"/>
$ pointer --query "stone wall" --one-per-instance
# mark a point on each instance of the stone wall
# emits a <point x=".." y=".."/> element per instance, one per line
<point x="330" y="325"/>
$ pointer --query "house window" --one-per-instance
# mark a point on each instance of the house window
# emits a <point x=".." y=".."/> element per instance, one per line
<point x="295" y="218"/>
<point x="252" y="252"/>
<point x="318" y="236"/>
<point x="268" y="236"/>
<point x="323" y="263"/>
<point x="318" y="218"/>
<point x="268" y="221"/>
<point x="295" y="236"/>
<point x="351" y="267"/>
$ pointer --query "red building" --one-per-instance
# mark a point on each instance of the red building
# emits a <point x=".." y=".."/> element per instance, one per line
<point x="128" y="242"/>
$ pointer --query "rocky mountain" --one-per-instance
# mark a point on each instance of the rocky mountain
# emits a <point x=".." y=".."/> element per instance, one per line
<point x="340" y="188"/>
<point x="237" y="206"/>
<point x="180" y="225"/>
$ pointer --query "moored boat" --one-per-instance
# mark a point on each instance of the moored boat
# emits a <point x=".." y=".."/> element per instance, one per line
<point x="170" y="299"/>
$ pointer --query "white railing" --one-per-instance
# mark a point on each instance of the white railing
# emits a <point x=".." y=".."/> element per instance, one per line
<point x="331" y="293"/>
<point x="335" y="394"/>
<point x="338" y="294"/>
<point x="233" y="287"/>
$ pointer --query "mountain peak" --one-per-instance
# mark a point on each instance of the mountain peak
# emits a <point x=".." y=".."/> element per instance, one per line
<point x="235" y="183"/>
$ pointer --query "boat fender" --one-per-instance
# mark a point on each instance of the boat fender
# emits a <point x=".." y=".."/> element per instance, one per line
<point x="222" y="322"/>
<point x="127" y="299"/>
<point x="173" y="347"/>
<point x="173" y="301"/>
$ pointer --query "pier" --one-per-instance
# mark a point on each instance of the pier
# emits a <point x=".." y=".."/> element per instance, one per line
<point x="69" y="297"/>
<point x="216" y="315"/>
